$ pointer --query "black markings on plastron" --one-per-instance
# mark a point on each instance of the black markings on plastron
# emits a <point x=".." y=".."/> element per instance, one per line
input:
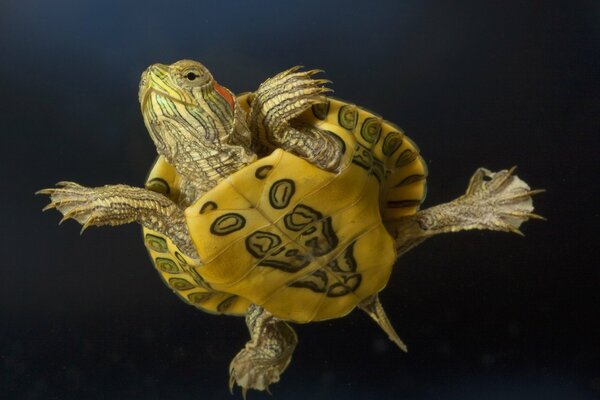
<point x="292" y="260"/>
<point x="345" y="263"/>
<point x="281" y="193"/>
<point x="351" y="283"/>
<point x="260" y="243"/>
<point x="317" y="282"/>
<point x="263" y="245"/>
<point x="262" y="172"/>
<point x="346" y="280"/>
<point x="227" y="223"/>
<point x="208" y="206"/>
<point x="345" y="268"/>
<point x="319" y="236"/>
<point x="301" y="216"/>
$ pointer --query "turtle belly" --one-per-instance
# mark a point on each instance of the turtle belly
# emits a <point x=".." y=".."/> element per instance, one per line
<point x="304" y="243"/>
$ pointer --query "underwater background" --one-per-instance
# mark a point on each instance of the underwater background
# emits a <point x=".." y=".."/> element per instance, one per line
<point x="485" y="315"/>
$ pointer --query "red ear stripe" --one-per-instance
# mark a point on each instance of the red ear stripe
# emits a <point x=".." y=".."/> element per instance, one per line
<point x="224" y="93"/>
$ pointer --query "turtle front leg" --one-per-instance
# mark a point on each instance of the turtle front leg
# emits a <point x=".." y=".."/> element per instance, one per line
<point x="274" y="106"/>
<point x="497" y="201"/>
<point x="118" y="205"/>
<point x="266" y="355"/>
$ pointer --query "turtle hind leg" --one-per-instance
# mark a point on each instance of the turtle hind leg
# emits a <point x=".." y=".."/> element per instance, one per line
<point x="505" y="193"/>
<point x="372" y="306"/>
<point x="497" y="201"/>
<point x="266" y="355"/>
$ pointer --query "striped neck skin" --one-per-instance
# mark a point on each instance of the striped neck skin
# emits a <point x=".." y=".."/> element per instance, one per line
<point x="198" y="128"/>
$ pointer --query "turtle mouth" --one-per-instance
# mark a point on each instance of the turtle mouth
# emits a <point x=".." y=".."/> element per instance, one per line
<point x="156" y="80"/>
<point x="146" y="93"/>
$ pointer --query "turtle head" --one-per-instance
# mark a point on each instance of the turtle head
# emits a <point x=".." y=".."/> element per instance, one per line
<point x="190" y="117"/>
<point x="181" y="82"/>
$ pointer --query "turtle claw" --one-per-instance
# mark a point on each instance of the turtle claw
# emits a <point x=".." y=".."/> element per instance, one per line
<point x="295" y="68"/>
<point x="232" y="383"/>
<point x="314" y="72"/>
<point x="296" y="87"/>
<point x="74" y="202"/>
<point x="527" y="215"/>
<point x="514" y="230"/>
<point x="66" y="183"/>
<point x="87" y="224"/>
<point x="50" y="206"/>
<point x="524" y="195"/>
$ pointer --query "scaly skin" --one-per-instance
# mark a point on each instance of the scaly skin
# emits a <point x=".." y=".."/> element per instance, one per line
<point x="493" y="201"/>
<point x="196" y="124"/>
<point x="277" y="102"/>
<point x="200" y="129"/>
<point x="267" y="354"/>
<point x="121" y="204"/>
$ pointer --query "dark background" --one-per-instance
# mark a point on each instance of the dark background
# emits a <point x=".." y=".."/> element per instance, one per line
<point x="485" y="315"/>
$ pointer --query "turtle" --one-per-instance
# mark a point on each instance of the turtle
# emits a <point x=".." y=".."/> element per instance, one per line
<point x="283" y="205"/>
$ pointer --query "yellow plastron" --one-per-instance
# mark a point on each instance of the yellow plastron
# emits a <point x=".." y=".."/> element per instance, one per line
<point x="304" y="243"/>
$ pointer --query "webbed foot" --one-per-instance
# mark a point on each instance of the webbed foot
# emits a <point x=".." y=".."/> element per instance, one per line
<point x="121" y="204"/>
<point x="285" y="96"/>
<point x="83" y="204"/>
<point x="498" y="201"/>
<point x="266" y="355"/>
<point x="506" y="195"/>
<point x="272" y="118"/>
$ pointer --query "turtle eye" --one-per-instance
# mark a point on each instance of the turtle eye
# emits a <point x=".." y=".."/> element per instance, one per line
<point x="192" y="75"/>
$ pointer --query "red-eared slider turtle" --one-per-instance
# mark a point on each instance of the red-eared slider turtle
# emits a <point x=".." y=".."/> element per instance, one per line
<point x="282" y="205"/>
